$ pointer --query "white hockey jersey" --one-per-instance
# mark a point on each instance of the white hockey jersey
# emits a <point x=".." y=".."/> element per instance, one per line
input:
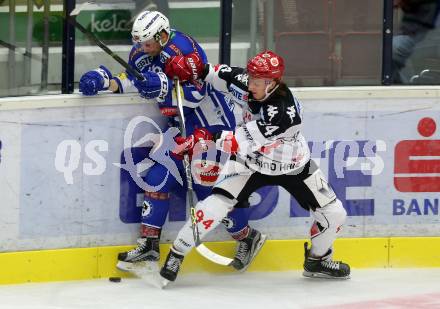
<point x="269" y="139"/>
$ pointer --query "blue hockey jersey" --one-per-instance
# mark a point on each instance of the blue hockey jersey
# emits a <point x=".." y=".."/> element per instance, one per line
<point x="204" y="107"/>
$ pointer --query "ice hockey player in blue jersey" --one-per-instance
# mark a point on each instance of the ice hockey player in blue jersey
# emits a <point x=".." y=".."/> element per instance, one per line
<point x="207" y="112"/>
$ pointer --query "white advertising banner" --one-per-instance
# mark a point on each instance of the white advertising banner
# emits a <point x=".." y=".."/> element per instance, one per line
<point x="65" y="181"/>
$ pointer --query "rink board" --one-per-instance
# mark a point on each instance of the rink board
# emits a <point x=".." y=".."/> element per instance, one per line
<point x="62" y="185"/>
<point x="276" y="255"/>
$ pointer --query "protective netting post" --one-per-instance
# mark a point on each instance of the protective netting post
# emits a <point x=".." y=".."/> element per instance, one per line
<point x="11" y="54"/>
<point x="269" y="11"/>
<point x="253" y="28"/>
<point x="387" y="45"/>
<point x="29" y="30"/>
<point x="68" y="51"/>
<point x="45" y="46"/>
<point x="225" y="31"/>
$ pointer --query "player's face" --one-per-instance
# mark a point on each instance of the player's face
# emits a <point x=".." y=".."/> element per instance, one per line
<point x="151" y="47"/>
<point x="257" y="86"/>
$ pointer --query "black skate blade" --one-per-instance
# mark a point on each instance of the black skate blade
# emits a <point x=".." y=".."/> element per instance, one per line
<point x="162" y="282"/>
<point x="147" y="271"/>
<point x="138" y="269"/>
<point x="155" y="279"/>
<point x="145" y="268"/>
<point x="124" y="266"/>
<point x="317" y="275"/>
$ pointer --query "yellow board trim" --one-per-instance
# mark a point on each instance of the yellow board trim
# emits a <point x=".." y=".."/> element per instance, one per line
<point x="415" y="252"/>
<point x="276" y="255"/>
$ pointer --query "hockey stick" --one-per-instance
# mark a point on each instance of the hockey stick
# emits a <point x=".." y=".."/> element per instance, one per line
<point x="201" y="248"/>
<point x="71" y="19"/>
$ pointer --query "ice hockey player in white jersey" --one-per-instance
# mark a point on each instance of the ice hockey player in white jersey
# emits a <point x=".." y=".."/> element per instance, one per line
<point x="269" y="149"/>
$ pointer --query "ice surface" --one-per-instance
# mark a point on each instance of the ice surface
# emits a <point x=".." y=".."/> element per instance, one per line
<point x="377" y="288"/>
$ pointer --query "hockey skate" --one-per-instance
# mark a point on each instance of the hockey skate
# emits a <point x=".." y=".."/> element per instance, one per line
<point x="324" y="267"/>
<point x="142" y="259"/>
<point x="247" y="250"/>
<point x="171" y="267"/>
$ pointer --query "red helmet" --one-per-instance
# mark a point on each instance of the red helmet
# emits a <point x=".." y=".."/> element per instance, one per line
<point x="266" y="65"/>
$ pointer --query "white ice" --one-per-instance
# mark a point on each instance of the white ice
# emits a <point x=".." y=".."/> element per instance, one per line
<point x="378" y="288"/>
